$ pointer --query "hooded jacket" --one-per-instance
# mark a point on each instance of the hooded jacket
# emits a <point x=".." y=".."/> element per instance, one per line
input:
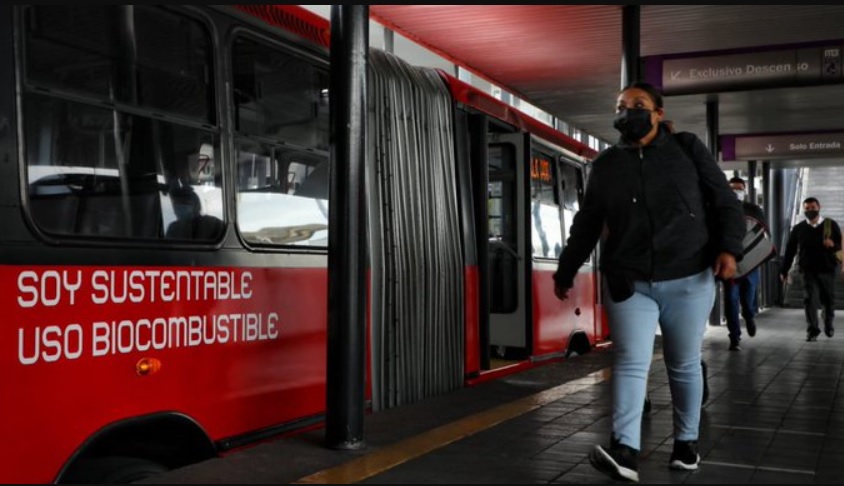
<point x="651" y="200"/>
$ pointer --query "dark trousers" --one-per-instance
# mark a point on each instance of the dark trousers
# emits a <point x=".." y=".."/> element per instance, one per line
<point x="819" y="290"/>
<point x="741" y="296"/>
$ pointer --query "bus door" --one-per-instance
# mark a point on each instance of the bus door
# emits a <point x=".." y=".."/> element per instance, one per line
<point x="508" y="254"/>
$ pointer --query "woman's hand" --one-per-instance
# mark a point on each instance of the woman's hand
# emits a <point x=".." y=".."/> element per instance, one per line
<point x="725" y="266"/>
<point x="562" y="293"/>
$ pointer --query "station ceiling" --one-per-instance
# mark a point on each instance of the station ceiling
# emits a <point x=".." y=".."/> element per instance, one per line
<point x="566" y="59"/>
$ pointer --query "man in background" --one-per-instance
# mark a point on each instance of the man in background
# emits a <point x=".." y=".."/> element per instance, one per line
<point x="817" y="239"/>
<point x="741" y="293"/>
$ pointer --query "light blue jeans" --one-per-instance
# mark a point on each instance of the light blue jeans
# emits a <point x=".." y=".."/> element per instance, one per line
<point x="682" y="308"/>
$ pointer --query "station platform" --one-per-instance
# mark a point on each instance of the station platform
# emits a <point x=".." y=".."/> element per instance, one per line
<point x="775" y="415"/>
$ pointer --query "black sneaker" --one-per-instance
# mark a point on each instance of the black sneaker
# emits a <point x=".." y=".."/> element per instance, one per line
<point x="685" y="456"/>
<point x="751" y="327"/>
<point x="734" y="345"/>
<point x="812" y="334"/>
<point x="619" y="461"/>
<point x="829" y="331"/>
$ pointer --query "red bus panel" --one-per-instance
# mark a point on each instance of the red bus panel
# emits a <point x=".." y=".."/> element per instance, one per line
<point x="237" y="350"/>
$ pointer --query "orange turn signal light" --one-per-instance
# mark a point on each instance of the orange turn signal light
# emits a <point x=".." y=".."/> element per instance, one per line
<point x="148" y="366"/>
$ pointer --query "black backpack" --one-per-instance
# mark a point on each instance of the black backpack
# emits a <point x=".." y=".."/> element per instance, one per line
<point x="758" y="247"/>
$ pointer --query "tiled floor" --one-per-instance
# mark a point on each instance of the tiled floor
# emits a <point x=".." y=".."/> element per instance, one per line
<point x="774" y="416"/>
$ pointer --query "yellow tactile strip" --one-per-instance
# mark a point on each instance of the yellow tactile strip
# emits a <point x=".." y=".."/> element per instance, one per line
<point x="387" y="458"/>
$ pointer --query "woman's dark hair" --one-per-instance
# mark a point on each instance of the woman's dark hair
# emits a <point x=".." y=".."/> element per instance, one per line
<point x="648" y="88"/>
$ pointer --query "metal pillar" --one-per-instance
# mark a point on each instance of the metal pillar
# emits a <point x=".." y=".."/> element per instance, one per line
<point x="767" y="202"/>
<point x="389" y="40"/>
<point x="777" y="218"/>
<point x="762" y="293"/>
<point x="717" y="313"/>
<point x="712" y="128"/>
<point x="770" y="273"/>
<point x="346" y="237"/>
<point x="630" y="42"/>
<point x="751" y="181"/>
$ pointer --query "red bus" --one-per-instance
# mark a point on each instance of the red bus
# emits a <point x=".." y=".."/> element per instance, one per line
<point x="164" y="250"/>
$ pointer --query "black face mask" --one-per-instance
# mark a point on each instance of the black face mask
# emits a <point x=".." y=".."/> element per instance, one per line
<point x="812" y="215"/>
<point x="633" y="123"/>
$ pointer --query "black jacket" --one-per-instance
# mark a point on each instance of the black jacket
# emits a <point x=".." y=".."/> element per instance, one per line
<point x="651" y="201"/>
<point x="814" y="257"/>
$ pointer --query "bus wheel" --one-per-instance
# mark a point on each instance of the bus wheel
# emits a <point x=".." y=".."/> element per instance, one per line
<point x="114" y="470"/>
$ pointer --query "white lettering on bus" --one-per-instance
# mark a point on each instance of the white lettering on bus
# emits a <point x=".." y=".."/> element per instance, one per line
<point x="125" y="337"/>
<point x="48" y="288"/>
<point x="120" y="336"/>
<point x="99" y="341"/>
<point x="136" y="286"/>
<point x="50" y="344"/>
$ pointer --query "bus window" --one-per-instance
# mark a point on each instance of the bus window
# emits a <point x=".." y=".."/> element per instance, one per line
<point x="282" y="196"/>
<point x="572" y="190"/>
<point x="81" y="183"/>
<point x="547" y="231"/>
<point x="279" y="97"/>
<point x="142" y="55"/>
<point x="502" y="195"/>
<point x="100" y="163"/>
<point x="281" y="120"/>
<point x="503" y="229"/>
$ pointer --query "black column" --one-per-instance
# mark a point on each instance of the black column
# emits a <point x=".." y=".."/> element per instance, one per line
<point x="777" y="219"/>
<point x="630" y="41"/>
<point x="712" y="127"/>
<point x="768" y="200"/>
<point x="346" y="240"/>
<point x="751" y="181"/>
<point x="779" y="215"/>
<point x="751" y="198"/>
<point x="770" y="271"/>
<point x="712" y="142"/>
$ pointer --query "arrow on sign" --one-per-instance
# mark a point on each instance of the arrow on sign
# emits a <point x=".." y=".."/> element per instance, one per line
<point x="770" y="148"/>
<point x="676" y="74"/>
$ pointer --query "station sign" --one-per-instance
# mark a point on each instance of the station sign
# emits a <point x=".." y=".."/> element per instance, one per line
<point x="748" y="70"/>
<point x="795" y="146"/>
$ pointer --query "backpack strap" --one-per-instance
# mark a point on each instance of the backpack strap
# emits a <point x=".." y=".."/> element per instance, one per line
<point x="686" y="139"/>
